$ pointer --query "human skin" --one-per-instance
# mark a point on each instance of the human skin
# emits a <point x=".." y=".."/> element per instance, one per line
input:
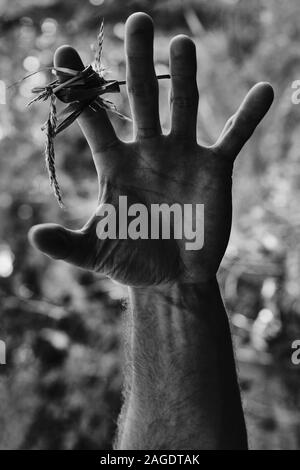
<point x="181" y="387"/>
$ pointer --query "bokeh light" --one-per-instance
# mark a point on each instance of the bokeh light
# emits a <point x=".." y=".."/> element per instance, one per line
<point x="6" y="261"/>
<point x="31" y="63"/>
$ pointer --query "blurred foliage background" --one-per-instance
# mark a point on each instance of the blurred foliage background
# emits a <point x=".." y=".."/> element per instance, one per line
<point x="61" y="387"/>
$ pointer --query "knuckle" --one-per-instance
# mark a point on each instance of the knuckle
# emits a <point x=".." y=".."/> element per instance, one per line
<point x="142" y="88"/>
<point x="102" y="147"/>
<point x="183" y="102"/>
<point x="147" y="132"/>
<point x="244" y="125"/>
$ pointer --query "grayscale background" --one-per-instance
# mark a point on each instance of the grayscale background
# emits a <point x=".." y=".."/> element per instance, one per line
<point x="60" y="388"/>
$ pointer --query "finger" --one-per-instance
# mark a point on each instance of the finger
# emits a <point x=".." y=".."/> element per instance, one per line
<point x="95" y="125"/>
<point x="184" y="93"/>
<point x="227" y="126"/>
<point x="244" y="122"/>
<point x="142" y="83"/>
<point x="59" y="243"/>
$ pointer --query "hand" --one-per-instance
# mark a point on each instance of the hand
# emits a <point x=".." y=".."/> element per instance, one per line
<point x="156" y="168"/>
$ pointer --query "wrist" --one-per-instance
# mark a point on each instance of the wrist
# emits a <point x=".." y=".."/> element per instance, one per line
<point x="166" y="306"/>
<point x="182" y="379"/>
<point x="181" y="294"/>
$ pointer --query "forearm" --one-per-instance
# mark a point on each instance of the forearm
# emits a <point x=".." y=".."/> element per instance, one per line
<point x="182" y="390"/>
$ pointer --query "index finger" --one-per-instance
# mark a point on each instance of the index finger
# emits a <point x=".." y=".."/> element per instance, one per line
<point x="95" y="125"/>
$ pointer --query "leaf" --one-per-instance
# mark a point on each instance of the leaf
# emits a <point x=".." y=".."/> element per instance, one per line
<point x="50" y="129"/>
<point x="106" y="104"/>
<point x="99" y="48"/>
<point x="42" y="96"/>
<point x="69" y="120"/>
<point x="68" y="109"/>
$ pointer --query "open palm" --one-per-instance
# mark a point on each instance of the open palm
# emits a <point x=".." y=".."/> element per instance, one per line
<point x="156" y="169"/>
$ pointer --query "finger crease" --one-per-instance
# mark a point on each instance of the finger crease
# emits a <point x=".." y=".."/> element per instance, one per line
<point x="107" y="146"/>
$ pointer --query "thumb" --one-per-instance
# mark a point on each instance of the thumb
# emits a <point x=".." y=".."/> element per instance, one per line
<point x="241" y="126"/>
<point x="59" y="242"/>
